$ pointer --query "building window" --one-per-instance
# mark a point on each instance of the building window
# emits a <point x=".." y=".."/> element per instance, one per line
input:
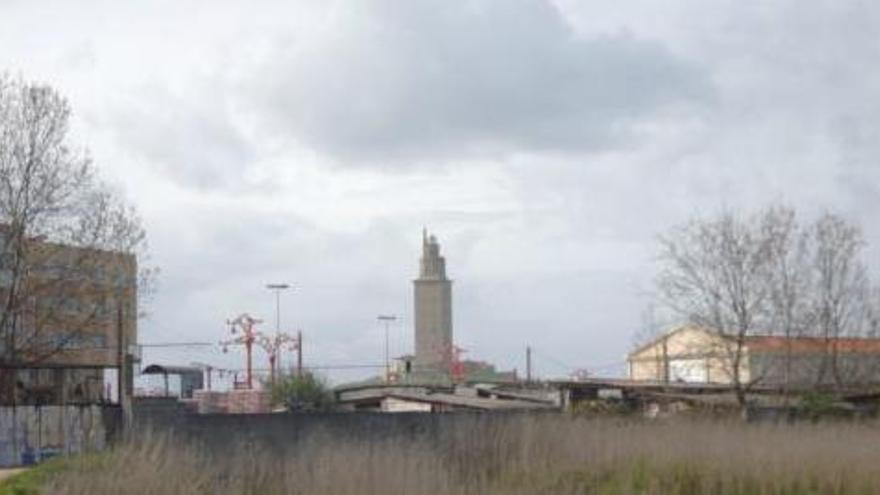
<point x="80" y="341"/>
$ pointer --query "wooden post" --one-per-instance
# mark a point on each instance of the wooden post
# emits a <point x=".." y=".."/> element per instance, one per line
<point x="272" y="368"/>
<point x="120" y="359"/>
<point x="248" y="344"/>
<point x="123" y="363"/>
<point x="665" y="361"/>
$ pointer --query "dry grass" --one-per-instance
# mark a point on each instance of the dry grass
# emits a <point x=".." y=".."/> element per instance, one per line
<point x="547" y="454"/>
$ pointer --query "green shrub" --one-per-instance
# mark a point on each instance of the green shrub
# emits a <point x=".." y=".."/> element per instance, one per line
<point x="306" y="392"/>
<point x="817" y="405"/>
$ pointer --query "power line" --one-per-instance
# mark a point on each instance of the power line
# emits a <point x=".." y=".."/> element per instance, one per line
<point x="344" y="366"/>
<point x="607" y="365"/>
<point x="559" y="363"/>
<point x="70" y="347"/>
<point x="315" y="367"/>
<point x="178" y="344"/>
<point x="553" y="360"/>
<point x="320" y="367"/>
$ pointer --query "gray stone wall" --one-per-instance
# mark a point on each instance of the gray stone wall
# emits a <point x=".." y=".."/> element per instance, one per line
<point x="278" y="434"/>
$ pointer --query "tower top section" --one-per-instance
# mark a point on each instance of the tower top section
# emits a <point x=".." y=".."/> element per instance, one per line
<point x="432" y="265"/>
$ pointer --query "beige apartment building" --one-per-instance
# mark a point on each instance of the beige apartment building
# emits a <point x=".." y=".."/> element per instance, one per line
<point x="76" y="316"/>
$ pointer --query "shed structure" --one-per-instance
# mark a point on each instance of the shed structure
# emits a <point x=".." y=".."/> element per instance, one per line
<point x="191" y="379"/>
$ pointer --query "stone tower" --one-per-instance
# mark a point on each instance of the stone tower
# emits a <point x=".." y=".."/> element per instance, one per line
<point x="433" y="309"/>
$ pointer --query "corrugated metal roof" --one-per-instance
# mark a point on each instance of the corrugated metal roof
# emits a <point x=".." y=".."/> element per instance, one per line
<point x="812" y="344"/>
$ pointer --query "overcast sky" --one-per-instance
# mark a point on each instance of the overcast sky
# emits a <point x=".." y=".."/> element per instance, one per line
<point x="546" y="144"/>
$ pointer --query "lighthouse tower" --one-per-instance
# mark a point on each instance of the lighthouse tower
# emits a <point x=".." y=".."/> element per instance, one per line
<point x="433" y="309"/>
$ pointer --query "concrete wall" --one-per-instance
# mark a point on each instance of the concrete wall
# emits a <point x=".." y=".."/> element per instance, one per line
<point x="30" y="434"/>
<point x="285" y="432"/>
<point x="161" y="412"/>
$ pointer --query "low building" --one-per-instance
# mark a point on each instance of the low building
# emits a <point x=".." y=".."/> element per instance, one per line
<point x="191" y="378"/>
<point x="693" y="354"/>
<point x="405" y="371"/>
<point x="397" y="398"/>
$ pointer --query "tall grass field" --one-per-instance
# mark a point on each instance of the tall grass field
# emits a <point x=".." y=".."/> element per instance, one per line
<point x="522" y="455"/>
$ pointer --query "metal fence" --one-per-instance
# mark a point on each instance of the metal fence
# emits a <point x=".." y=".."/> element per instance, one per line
<point x="31" y="434"/>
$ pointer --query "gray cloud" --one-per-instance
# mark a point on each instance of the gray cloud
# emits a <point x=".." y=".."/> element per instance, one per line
<point x="190" y="138"/>
<point x="793" y="118"/>
<point x="430" y="79"/>
<point x="594" y="129"/>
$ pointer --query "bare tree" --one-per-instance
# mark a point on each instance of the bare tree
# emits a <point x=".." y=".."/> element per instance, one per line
<point x="67" y="240"/>
<point x="789" y="281"/>
<point x="716" y="273"/>
<point x="841" y="289"/>
<point x="767" y="275"/>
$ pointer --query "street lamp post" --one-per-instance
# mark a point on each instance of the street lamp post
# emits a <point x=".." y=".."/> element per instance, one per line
<point x="387" y="319"/>
<point x="278" y="287"/>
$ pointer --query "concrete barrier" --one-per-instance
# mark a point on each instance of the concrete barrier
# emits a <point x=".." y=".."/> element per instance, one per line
<point x="31" y="434"/>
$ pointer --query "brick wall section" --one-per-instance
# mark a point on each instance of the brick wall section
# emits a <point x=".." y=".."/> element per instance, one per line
<point x="247" y="402"/>
<point x="232" y="402"/>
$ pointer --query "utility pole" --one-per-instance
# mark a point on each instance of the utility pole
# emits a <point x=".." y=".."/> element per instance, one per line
<point x="272" y="359"/>
<point x="387" y="319"/>
<point x="277" y="287"/>
<point x="456" y="366"/>
<point x="665" y="360"/>
<point x="528" y="364"/>
<point x="273" y="347"/>
<point x="246" y="324"/>
<point x="299" y="353"/>
<point x="121" y="375"/>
